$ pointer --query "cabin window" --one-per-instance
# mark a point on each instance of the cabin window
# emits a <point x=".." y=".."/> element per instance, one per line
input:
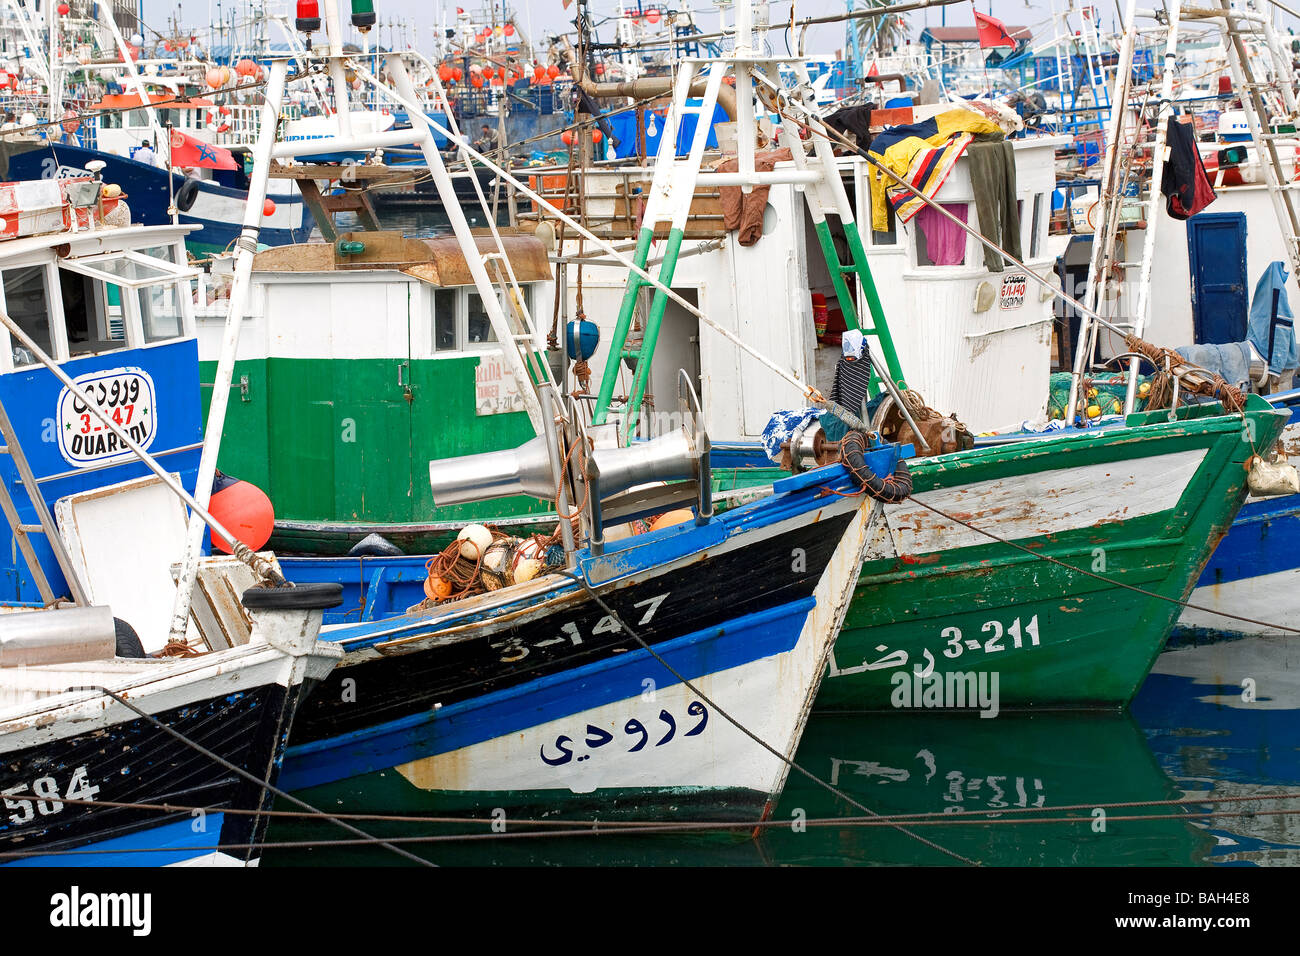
<point x="459" y="322"/>
<point x="28" y="305"/>
<point x="889" y="237"/>
<point x="152" y="289"/>
<point x="939" y="240"/>
<point x="84" y="315"/>
<point x="160" y="313"/>
<point x="137" y="118"/>
<point x="444" y="320"/>
<point x="110" y="120"/>
<point x="479" y="329"/>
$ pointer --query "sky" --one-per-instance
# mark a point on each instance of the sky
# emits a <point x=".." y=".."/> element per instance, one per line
<point x="539" y="16"/>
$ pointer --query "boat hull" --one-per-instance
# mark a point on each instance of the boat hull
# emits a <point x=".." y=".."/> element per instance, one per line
<point x="1143" y="506"/>
<point x="90" y="751"/>
<point x="545" y="692"/>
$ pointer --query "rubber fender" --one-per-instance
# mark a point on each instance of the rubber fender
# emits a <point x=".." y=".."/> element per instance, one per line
<point x="891" y="490"/>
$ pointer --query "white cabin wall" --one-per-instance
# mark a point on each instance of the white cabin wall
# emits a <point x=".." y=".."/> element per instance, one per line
<point x="758" y="293"/>
<point x="991" y="368"/>
<point x="1169" y="322"/>
<point x="325" y="316"/>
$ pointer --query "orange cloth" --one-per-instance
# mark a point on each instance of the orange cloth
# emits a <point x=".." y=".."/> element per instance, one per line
<point x="743" y="211"/>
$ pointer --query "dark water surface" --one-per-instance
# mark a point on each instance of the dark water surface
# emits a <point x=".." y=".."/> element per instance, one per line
<point x="1190" y="733"/>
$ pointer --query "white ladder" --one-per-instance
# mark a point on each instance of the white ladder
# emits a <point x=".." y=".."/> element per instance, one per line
<point x="1252" y="103"/>
<point x="23" y="532"/>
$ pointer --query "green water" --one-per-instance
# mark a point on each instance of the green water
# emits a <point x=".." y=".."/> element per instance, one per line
<point x="1190" y="732"/>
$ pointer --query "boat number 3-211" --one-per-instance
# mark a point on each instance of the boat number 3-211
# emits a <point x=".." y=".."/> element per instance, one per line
<point x="993" y="639"/>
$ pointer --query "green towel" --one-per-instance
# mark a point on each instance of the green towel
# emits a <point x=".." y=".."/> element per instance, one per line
<point x="993" y="176"/>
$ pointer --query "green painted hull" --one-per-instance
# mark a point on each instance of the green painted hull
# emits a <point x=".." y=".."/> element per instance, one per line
<point x="1053" y="637"/>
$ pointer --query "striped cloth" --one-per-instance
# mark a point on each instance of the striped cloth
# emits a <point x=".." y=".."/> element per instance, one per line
<point x="851" y="386"/>
<point x="923" y="154"/>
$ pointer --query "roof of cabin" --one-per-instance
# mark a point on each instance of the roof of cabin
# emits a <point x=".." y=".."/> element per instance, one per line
<point x="102" y="239"/>
<point x="438" y="260"/>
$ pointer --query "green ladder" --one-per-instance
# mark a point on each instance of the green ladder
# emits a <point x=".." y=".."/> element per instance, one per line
<point x="672" y="187"/>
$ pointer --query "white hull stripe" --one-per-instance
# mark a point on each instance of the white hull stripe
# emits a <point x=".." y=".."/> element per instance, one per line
<point x="1049" y="502"/>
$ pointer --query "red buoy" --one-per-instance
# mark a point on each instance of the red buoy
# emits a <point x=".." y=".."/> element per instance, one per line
<point x="243" y="509"/>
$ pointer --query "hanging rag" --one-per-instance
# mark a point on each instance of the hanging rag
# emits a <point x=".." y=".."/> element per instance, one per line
<point x="851" y="386"/>
<point x="1229" y="360"/>
<point x="1263" y="329"/>
<point x="785" y="426"/>
<point x="993" y="177"/>
<point x="923" y="155"/>
<point x="741" y="211"/>
<point x="854" y="122"/>
<point x="1186" y="188"/>
<point x="945" y="241"/>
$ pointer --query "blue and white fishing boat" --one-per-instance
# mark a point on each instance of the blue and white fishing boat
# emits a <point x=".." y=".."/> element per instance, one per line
<point x="675" y="666"/>
<point x="630" y="677"/>
<point x="100" y="743"/>
<point x="215" y="205"/>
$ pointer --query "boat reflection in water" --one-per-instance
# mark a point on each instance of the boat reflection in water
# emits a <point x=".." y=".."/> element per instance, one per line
<point x="1221" y="721"/>
<point x="892" y="763"/>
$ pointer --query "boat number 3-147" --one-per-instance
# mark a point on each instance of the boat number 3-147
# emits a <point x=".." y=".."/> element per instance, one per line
<point x="635" y="733"/>
<point x="125" y="396"/>
<point x="41" y="796"/>
<point x="992" y="637"/>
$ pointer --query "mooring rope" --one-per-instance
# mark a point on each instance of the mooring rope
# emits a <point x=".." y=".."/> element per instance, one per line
<point x="791" y="764"/>
<point x="241" y="772"/>
<point x="665" y="825"/>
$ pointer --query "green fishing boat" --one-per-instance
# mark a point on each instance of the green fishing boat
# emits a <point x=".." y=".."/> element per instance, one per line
<point x="944" y="607"/>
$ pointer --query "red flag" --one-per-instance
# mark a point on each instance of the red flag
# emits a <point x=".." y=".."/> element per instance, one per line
<point x="874" y="71"/>
<point x="188" y="151"/>
<point x="992" y="32"/>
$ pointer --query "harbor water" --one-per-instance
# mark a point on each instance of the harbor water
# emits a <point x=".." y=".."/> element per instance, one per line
<point x="1215" y="721"/>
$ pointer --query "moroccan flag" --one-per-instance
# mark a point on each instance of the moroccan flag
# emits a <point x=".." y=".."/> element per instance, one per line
<point x="188" y="151"/>
<point x="992" y="32"/>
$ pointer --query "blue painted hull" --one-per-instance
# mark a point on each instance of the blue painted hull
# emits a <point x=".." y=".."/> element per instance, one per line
<point x="475" y="683"/>
<point x="32" y="397"/>
<point x="1254" y="571"/>
<point x="217" y="209"/>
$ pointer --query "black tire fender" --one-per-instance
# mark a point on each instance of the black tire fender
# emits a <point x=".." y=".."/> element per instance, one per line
<point x="301" y="597"/>
<point x="186" y="195"/>
<point x="891" y="490"/>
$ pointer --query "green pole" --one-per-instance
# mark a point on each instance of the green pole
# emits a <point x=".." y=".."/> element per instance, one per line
<point x="651" y="334"/>
<point x="634" y="283"/>
<point x="879" y="326"/>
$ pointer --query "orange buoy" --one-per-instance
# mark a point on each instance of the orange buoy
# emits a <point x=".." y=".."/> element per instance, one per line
<point x="436" y="588"/>
<point x="670" y="518"/>
<point x="242" y="508"/>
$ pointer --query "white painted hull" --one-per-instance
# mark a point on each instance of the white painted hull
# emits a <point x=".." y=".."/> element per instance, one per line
<point x="1046" y="502"/>
<point x="1270" y="598"/>
<point x="771" y="696"/>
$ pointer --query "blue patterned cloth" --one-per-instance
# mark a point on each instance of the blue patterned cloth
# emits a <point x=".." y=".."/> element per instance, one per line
<point x="783" y="426"/>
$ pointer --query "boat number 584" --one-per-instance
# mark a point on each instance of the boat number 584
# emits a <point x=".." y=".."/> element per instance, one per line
<point x="995" y="640"/>
<point x="44" y="798"/>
